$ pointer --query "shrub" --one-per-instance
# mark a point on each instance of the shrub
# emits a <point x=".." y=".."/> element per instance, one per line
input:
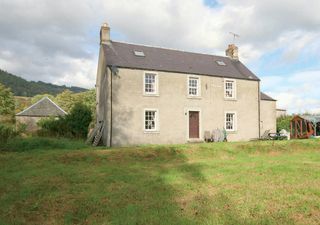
<point x="56" y="127"/>
<point x="79" y="119"/>
<point x="75" y="124"/>
<point x="283" y="122"/>
<point x="7" y="103"/>
<point x="21" y="128"/>
<point x="6" y="132"/>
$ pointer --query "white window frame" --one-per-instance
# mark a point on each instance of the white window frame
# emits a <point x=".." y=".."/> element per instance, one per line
<point x="234" y="89"/>
<point x="234" y="121"/>
<point x="198" y="86"/>
<point x="156" y="91"/>
<point x="156" y="129"/>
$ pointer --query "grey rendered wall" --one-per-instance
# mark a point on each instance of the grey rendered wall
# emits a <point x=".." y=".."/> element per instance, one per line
<point x="173" y="103"/>
<point x="280" y="113"/>
<point x="103" y="97"/>
<point x="268" y="116"/>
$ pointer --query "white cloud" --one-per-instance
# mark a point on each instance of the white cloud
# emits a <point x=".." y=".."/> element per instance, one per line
<point x="297" y="93"/>
<point x="46" y="40"/>
<point x="57" y="41"/>
<point x="81" y="73"/>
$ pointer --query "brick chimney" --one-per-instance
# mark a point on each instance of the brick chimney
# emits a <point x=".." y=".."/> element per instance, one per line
<point x="105" y="34"/>
<point x="232" y="52"/>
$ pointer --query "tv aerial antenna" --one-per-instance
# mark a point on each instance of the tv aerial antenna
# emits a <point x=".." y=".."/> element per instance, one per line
<point x="234" y="36"/>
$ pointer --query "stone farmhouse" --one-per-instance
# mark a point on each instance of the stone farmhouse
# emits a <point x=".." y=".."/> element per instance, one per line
<point x="154" y="95"/>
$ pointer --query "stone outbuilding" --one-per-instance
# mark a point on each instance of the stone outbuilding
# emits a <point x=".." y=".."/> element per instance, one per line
<point x="281" y="112"/>
<point x="44" y="108"/>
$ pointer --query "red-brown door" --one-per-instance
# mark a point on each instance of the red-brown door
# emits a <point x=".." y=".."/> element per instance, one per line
<point x="193" y="124"/>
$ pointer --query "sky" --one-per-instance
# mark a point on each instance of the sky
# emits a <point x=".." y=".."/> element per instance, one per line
<point x="58" y="41"/>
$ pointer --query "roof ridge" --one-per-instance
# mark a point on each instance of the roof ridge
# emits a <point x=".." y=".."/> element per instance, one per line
<point x="38" y="102"/>
<point x="56" y="105"/>
<point x="34" y="104"/>
<point x="167" y="48"/>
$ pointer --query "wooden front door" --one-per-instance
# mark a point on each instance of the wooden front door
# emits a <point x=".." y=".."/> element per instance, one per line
<point x="193" y="124"/>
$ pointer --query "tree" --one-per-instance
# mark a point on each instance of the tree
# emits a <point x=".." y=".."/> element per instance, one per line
<point x="36" y="98"/>
<point x="79" y="119"/>
<point x="283" y="122"/>
<point x="7" y="103"/>
<point x="88" y="98"/>
<point x="21" y="103"/>
<point x="65" y="100"/>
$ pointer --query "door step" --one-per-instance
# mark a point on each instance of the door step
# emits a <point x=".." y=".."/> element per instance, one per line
<point x="195" y="140"/>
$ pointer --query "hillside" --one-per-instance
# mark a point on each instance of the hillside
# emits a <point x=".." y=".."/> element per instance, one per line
<point x="22" y="87"/>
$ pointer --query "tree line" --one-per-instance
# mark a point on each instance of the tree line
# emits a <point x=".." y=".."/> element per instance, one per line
<point x="79" y="106"/>
<point x="22" y="87"/>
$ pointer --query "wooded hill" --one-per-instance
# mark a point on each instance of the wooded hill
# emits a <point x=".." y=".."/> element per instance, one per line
<point x="22" y="87"/>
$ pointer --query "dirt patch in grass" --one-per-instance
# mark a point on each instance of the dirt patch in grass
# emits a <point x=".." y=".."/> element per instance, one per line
<point x="312" y="217"/>
<point x="75" y="157"/>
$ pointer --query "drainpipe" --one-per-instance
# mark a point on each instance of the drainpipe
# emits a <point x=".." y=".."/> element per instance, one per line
<point x="111" y="107"/>
<point x="259" y="115"/>
<point x="113" y="72"/>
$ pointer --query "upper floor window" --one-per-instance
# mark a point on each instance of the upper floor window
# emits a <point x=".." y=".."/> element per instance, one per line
<point x="193" y="86"/>
<point x="230" y="121"/>
<point x="230" y="89"/>
<point x="150" y="83"/>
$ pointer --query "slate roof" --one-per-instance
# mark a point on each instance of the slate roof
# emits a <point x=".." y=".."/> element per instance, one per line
<point x="266" y="97"/>
<point x="160" y="59"/>
<point x="43" y="108"/>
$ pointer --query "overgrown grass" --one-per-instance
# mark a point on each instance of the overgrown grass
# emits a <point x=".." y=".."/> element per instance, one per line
<point x="19" y="144"/>
<point x="220" y="183"/>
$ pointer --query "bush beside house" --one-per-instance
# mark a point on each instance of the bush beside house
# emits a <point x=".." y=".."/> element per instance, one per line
<point x="73" y="125"/>
<point x="283" y="122"/>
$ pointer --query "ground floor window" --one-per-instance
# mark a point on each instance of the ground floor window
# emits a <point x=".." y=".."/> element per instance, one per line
<point x="230" y="121"/>
<point x="151" y="120"/>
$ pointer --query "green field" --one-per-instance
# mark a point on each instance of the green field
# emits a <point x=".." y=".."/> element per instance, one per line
<point x="63" y="182"/>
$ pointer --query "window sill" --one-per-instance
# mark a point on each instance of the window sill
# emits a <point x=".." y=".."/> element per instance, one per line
<point x="230" y="99"/>
<point x="151" y="95"/>
<point x="231" y="131"/>
<point x="151" y="132"/>
<point x="194" y="97"/>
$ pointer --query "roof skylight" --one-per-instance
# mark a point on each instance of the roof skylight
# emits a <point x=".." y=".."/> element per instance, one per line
<point x="139" y="53"/>
<point x="220" y="63"/>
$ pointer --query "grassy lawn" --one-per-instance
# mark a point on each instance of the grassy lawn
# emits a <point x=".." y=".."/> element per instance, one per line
<point x="223" y="183"/>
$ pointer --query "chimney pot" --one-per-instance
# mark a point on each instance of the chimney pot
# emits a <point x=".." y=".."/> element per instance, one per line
<point x="105" y="34"/>
<point x="232" y="52"/>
